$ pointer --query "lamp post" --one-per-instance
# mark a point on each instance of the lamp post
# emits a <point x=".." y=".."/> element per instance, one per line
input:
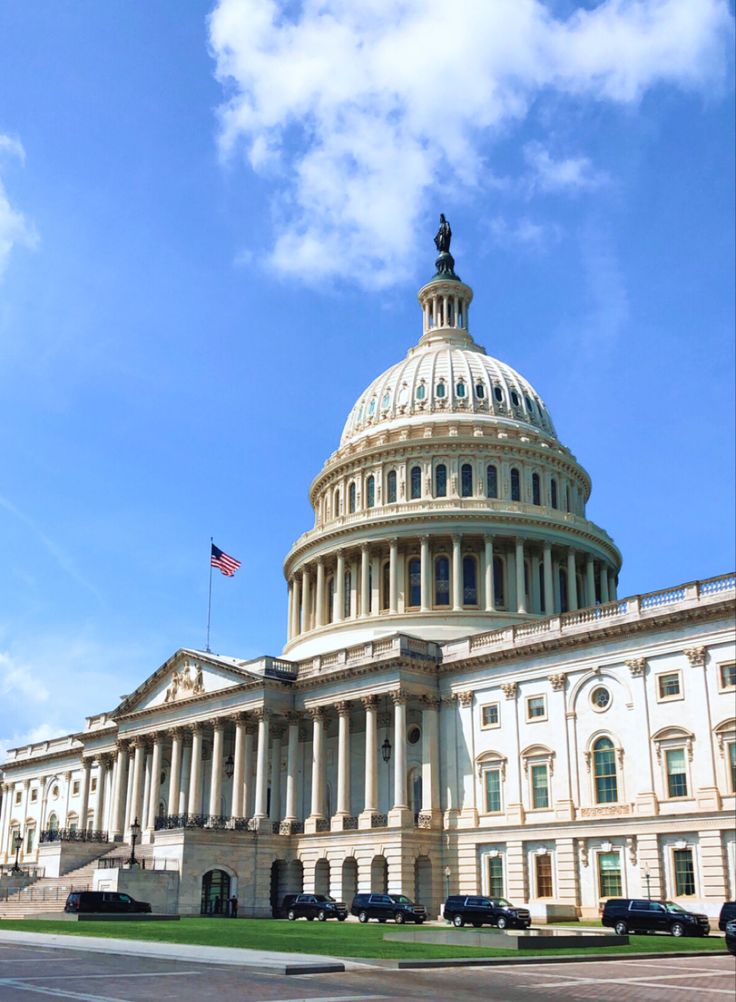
<point x="448" y="871"/>
<point x="135" y="830"/>
<point x="229" y="766"/>
<point x="386" y="756"/>
<point x="17" y="843"/>
<point x="648" y="878"/>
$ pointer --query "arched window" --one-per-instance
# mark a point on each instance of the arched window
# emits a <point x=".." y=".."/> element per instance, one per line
<point x="498" y="582"/>
<point x="553" y="492"/>
<point x="536" y="491"/>
<point x="440" y="390"/>
<point x="391" y="487"/>
<point x="415" y="582"/>
<point x="470" y="581"/>
<point x="604" y="772"/>
<point x="351" y="497"/>
<point x="415" y="478"/>
<point x="370" y="491"/>
<point x="466" y="480"/>
<point x="385" y="584"/>
<point x="330" y="598"/>
<point x="480" y="390"/>
<point x="498" y="394"/>
<point x="421" y="391"/>
<point x="492" y="482"/>
<point x="348" y="583"/>
<point x="442" y="581"/>
<point x="460" y="389"/>
<point x="515" y="485"/>
<point x="440" y="481"/>
<point x="336" y="503"/>
<point x="52" y="824"/>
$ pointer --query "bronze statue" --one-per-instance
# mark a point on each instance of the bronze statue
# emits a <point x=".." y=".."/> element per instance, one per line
<point x="445" y="263"/>
<point x="444" y="236"/>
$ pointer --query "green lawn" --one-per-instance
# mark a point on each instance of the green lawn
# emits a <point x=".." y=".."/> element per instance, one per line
<point x="339" y="940"/>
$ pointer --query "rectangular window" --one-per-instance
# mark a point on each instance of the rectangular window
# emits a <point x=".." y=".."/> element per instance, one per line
<point x="93" y="786"/>
<point x="727" y="675"/>
<point x="609" y="875"/>
<point x="34" y="795"/>
<point x="29" y="840"/>
<point x="17" y="796"/>
<point x="493" y="790"/>
<point x="489" y="715"/>
<point x="75" y="788"/>
<point x="731" y="766"/>
<point x="540" y="786"/>
<point x="669" y="685"/>
<point x="495" y="877"/>
<point x="684" y="872"/>
<point x="536" y="708"/>
<point x="543" y="870"/>
<point x="676" y="772"/>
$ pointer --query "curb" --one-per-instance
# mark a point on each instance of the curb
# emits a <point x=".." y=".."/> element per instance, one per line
<point x="571" y="958"/>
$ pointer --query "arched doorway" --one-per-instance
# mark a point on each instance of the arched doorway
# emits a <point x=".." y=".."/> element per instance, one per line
<point x="424" y="885"/>
<point x="322" y="877"/>
<point x="379" y="875"/>
<point x="215" y="892"/>
<point x="349" y="879"/>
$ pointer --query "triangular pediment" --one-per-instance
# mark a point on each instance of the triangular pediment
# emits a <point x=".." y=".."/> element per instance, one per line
<point x="187" y="675"/>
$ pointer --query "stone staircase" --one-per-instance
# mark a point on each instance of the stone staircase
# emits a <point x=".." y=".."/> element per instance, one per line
<point x="49" y="894"/>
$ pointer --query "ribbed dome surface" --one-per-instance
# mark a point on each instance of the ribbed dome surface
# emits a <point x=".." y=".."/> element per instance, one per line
<point x="442" y="379"/>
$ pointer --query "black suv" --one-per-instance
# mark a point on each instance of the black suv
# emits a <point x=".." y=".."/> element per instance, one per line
<point x="490" y="911"/>
<point x="104" y="901"/>
<point x="313" y="906"/>
<point x="639" y="915"/>
<point x="387" y="906"/>
<point x="728" y="912"/>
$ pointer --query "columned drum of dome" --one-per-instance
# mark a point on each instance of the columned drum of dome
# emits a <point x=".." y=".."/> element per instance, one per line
<point x="450" y="506"/>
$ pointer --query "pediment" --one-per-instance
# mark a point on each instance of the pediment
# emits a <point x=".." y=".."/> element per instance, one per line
<point x="186" y="675"/>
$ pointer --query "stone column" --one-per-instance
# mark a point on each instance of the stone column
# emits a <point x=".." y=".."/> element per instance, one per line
<point x="83" y="794"/>
<point x="98" y="820"/>
<point x="136" y="793"/>
<point x="317" y="809"/>
<point x="520" y="577"/>
<point x="195" y="772"/>
<point x="175" y="773"/>
<point x="6" y="789"/>
<point x="155" y="789"/>
<point x="216" y="768"/>
<point x="319" y="598"/>
<point x="365" y="594"/>
<point x="612" y="588"/>
<point x="292" y="767"/>
<point x="343" y="761"/>
<point x="534" y="583"/>
<point x="248" y="785"/>
<point x="297" y="593"/>
<point x="589" y="581"/>
<point x="117" y="819"/>
<point x="354" y="589"/>
<point x="425" y="569"/>
<point x="290" y="614"/>
<point x="338" y="611"/>
<point x="572" y="582"/>
<point x="457" y="574"/>
<point x="236" y="803"/>
<point x="277" y="733"/>
<point x="263" y="717"/>
<point x="306" y="600"/>
<point x="393" y="576"/>
<point x="146" y="789"/>
<point x="370" y="805"/>
<point x="604" y="584"/>
<point x="549" y="592"/>
<point x="399" y="813"/>
<point x="186" y="771"/>
<point x="376" y="583"/>
<point x="430" y="758"/>
<point x="490" y="596"/>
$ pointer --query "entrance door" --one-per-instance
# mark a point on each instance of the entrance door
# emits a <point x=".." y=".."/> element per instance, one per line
<point x="215" y="892"/>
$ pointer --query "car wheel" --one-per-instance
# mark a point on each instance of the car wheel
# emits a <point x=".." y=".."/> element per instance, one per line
<point x="321" y="916"/>
<point x="310" y="918"/>
<point x="419" y="921"/>
<point x="458" y="921"/>
<point x="477" y="925"/>
<point x="621" y="928"/>
<point x="382" y="921"/>
<point x="362" y="917"/>
<point x="399" y="918"/>
<point x="678" y="929"/>
<point x="291" y="915"/>
<point x="341" y="918"/>
<point x="502" y="922"/>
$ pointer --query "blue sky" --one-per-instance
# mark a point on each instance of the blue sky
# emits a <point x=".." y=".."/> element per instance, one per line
<point x="211" y="236"/>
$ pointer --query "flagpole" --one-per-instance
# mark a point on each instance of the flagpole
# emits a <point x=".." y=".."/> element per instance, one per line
<point x="209" y="601"/>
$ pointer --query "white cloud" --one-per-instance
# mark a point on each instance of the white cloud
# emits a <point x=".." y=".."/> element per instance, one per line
<point x="571" y="174"/>
<point x="41" y="732"/>
<point x="359" y="108"/>
<point x="524" y="232"/>
<point x="15" y="230"/>
<point x="17" y="679"/>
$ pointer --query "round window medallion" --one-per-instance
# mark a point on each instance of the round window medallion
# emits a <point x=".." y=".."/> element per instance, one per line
<point x="600" y="697"/>
<point x="414" y="735"/>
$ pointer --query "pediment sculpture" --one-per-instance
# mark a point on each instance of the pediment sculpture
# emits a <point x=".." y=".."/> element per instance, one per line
<point x="184" y="683"/>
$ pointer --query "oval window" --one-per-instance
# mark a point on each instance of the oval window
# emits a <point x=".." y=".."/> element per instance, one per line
<point x="600" y="697"/>
<point x="498" y="394"/>
<point x="460" y="389"/>
<point x="480" y="390"/>
<point x="372" y="407"/>
<point x="529" y="405"/>
<point x="421" y="391"/>
<point x="514" y="398"/>
<point x="403" y="395"/>
<point x="441" y="389"/>
<point x="386" y="400"/>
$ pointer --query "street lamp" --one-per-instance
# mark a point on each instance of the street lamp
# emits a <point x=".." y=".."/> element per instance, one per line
<point x="17" y="843"/>
<point x="386" y="750"/>
<point x="448" y="871"/>
<point x="229" y="767"/>
<point x="648" y="878"/>
<point x="135" y="831"/>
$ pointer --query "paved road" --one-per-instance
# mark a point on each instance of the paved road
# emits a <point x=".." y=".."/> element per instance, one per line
<point x="28" y="972"/>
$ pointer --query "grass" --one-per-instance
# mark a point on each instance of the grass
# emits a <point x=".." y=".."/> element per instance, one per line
<point x="344" y="940"/>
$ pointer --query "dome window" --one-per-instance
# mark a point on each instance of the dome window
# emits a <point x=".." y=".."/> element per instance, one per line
<point x="466" y="480"/>
<point x="403" y="396"/>
<point x="514" y="398"/>
<point x="442" y="581"/>
<point x="480" y="391"/>
<point x="370" y="492"/>
<point x="529" y="404"/>
<point x="386" y="400"/>
<point x="536" y="490"/>
<point x="391" y="487"/>
<point x="415" y="487"/>
<point x="498" y="394"/>
<point x="553" y="493"/>
<point x="372" y="407"/>
<point x="515" y="485"/>
<point x="421" y="391"/>
<point x="491" y="482"/>
<point x="361" y="412"/>
<point x="470" y="581"/>
<point x="415" y="583"/>
<point x="351" y="498"/>
<point x="460" y="389"/>
<point x="440" y="481"/>
<point x="441" y="390"/>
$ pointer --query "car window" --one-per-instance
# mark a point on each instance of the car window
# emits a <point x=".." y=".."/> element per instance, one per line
<point x="501" y="903"/>
<point x="672" y="907"/>
<point x="640" y="906"/>
<point x="380" y="899"/>
<point x="477" y="902"/>
<point x="126" y="898"/>
<point x="323" y="897"/>
<point x="655" y="906"/>
<point x="400" y="899"/>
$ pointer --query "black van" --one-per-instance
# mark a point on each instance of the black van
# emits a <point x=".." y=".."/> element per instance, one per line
<point x="641" y="915"/>
<point x="387" y="906"/>
<point x="104" y="901"/>
<point x="478" y="911"/>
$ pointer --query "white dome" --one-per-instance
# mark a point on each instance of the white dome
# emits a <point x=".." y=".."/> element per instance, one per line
<point x="441" y="378"/>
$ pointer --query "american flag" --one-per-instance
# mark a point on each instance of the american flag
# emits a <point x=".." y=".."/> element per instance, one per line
<point x="220" y="560"/>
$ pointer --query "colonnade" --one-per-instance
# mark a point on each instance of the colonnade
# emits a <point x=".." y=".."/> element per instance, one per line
<point x="515" y="575"/>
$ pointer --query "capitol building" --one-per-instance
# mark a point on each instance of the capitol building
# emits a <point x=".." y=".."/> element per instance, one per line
<point x="464" y="703"/>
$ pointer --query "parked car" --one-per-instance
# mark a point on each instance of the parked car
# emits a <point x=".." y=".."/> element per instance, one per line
<point x="728" y="912"/>
<point x="730" y="931"/>
<point x="639" y="915"/>
<point x="479" y="911"/>
<point x="313" y="906"/>
<point x="387" y="906"/>
<point x="104" y="901"/>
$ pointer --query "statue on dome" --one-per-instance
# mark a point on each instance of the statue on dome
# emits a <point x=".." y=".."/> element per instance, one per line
<point x="445" y="263"/>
